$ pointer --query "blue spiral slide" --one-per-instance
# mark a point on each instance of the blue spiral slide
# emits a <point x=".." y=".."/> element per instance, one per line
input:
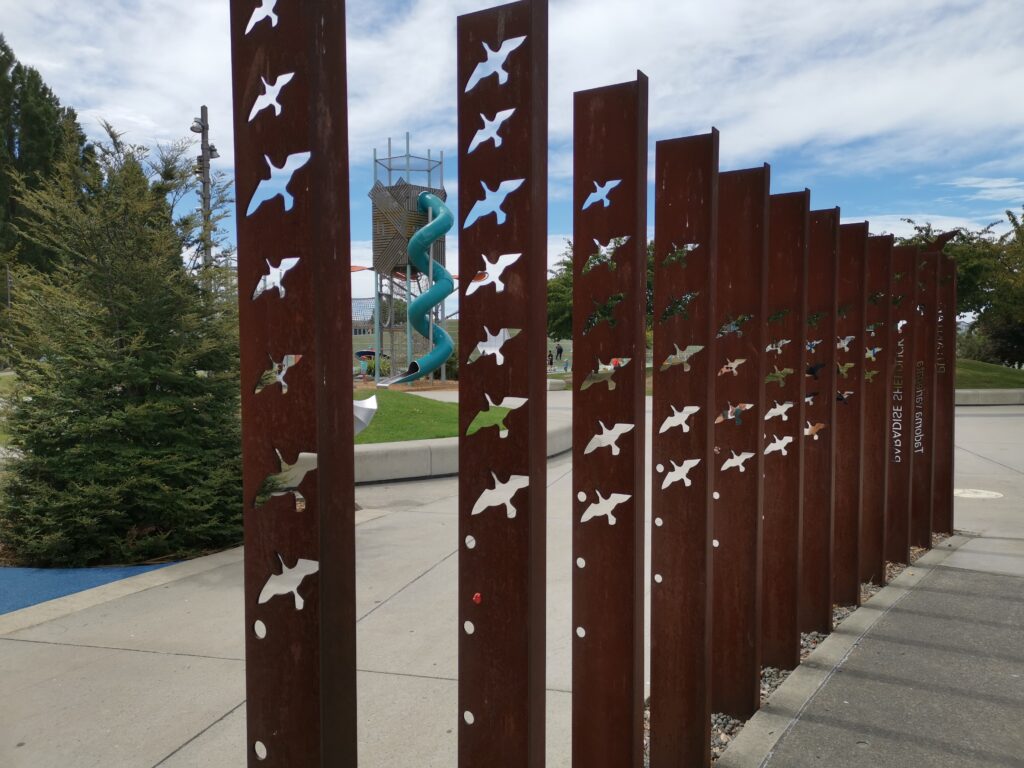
<point x="442" y="287"/>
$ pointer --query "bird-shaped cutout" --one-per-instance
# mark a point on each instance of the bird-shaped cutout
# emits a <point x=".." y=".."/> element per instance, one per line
<point x="608" y="438"/>
<point x="809" y="398"/>
<point x="271" y="92"/>
<point x="869" y="375"/>
<point x="812" y="430"/>
<point x="277" y="184"/>
<point x="482" y="421"/>
<point x="812" y="344"/>
<point x="273" y="280"/>
<point x="494" y="64"/>
<point x="779" y="409"/>
<point x="492" y="202"/>
<point x="604" y="373"/>
<point x="900" y="324"/>
<point x="288" y="581"/>
<point x="501" y="494"/>
<point x="492" y="344"/>
<point x="678" y="254"/>
<point x="872" y="329"/>
<point x="844" y="343"/>
<point x="778" y="445"/>
<point x="731" y="366"/>
<point x="778" y="376"/>
<point x="604" y="506"/>
<point x="265" y="10"/>
<point x="776" y="346"/>
<point x="492" y="272"/>
<point x="813" y="370"/>
<point x="605" y="254"/>
<point x="681" y="357"/>
<point x="737" y="461"/>
<point x="277" y="372"/>
<point x="679" y="472"/>
<point x="287" y="479"/>
<point x="871" y="353"/>
<point x="733" y="413"/>
<point x="600" y="193"/>
<point x="679" y="418"/>
<point x="734" y="326"/>
<point x="844" y="397"/>
<point x="604" y="312"/>
<point x="490" y="130"/>
<point x="843" y="369"/>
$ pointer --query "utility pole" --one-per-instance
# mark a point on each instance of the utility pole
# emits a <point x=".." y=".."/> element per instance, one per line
<point x="208" y="152"/>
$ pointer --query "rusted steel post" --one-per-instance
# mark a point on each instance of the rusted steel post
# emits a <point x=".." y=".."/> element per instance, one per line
<point x="924" y="392"/>
<point x="502" y="106"/>
<point x="686" y="241"/>
<point x="609" y="358"/>
<point x="901" y="408"/>
<point x="739" y="441"/>
<point x="819" y="423"/>
<point x="783" y="422"/>
<point x="291" y="177"/>
<point x="853" y="242"/>
<point x="877" y="394"/>
<point x="945" y="391"/>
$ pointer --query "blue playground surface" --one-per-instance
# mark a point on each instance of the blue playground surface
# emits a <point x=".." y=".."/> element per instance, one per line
<point x="22" y="587"/>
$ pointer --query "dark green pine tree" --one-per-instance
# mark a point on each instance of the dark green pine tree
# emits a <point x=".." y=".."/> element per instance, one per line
<point x="124" y="421"/>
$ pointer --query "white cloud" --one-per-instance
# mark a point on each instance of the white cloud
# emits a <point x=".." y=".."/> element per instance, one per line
<point x="1009" y="190"/>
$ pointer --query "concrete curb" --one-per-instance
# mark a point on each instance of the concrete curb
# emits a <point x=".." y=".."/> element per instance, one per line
<point x="381" y="462"/>
<point x="753" y="746"/>
<point x="990" y="397"/>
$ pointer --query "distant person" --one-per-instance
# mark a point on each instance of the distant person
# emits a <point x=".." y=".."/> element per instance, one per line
<point x="551" y="360"/>
<point x="558" y="351"/>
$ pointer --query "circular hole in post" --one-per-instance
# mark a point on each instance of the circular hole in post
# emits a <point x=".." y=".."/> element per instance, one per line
<point x="581" y="496"/>
<point x="657" y="578"/>
<point x="659" y="522"/>
<point x="260" y="749"/>
<point x="468" y="717"/>
<point x="581" y="632"/>
<point x="716" y="495"/>
<point x="470" y="542"/>
<point x="660" y="468"/>
<point x="260" y="629"/>
<point x="468" y="626"/>
<point x="714" y="543"/>
<point x="581" y="563"/>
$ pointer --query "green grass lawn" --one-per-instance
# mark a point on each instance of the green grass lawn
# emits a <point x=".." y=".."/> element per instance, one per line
<point x="401" y="416"/>
<point x="970" y="374"/>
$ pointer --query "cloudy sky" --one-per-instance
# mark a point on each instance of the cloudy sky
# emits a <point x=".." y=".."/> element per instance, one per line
<point x="887" y="109"/>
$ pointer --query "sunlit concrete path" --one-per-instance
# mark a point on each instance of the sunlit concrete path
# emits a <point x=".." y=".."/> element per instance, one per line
<point x="150" y="671"/>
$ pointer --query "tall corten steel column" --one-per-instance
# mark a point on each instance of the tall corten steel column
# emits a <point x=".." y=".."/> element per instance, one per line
<point x="901" y="405"/>
<point x="877" y="394"/>
<point x="686" y="242"/>
<point x="924" y="392"/>
<point x="783" y="421"/>
<point x="739" y="441"/>
<point x="291" y="179"/>
<point x="945" y="382"/>
<point x="819" y="423"/>
<point x="609" y="351"/>
<point x="502" y="327"/>
<point x="853" y="241"/>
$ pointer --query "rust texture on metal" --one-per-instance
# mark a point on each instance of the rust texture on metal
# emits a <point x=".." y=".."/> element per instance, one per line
<point x="924" y="391"/>
<point x="903" y="314"/>
<point x="609" y="306"/>
<point x="502" y="478"/>
<point x="819" y="423"/>
<point x="849" y="432"/>
<point x="783" y="421"/>
<point x="739" y="441"/>
<point x="686" y="218"/>
<point x="291" y="180"/>
<point x="877" y="394"/>
<point x="945" y="375"/>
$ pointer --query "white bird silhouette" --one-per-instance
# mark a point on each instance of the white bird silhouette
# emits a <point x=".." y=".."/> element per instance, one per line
<point x="679" y="472"/>
<point x="608" y="438"/>
<point x="265" y="10"/>
<point x="681" y="357"/>
<point x="900" y="324"/>
<point x="776" y="346"/>
<point x="844" y="343"/>
<point x="737" y="461"/>
<point x="603" y="506"/>
<point x="492" y="202"/>
<point x="271" y="91"/>
<point x="276" y="373"/>
<point x="490" y="130"/>
<point x="273" y="280"/>
<point x="871" y="353"/>
<point x="604" y="373"/>
<point x="779" y="445"/>
<point x="494" y="64"/>
<point x="678" y="418"/>
<point x="270" y="188"/>
<point x="290" y="476"/>
<point x="508" y="403"/>
<point x="600" y="193"/>
<point x="812" y="430"/>
<point x="501" y="494"/>
<point x="779" y="409"/>
<point x="492" y="272"/>
<point x="492" y="344"/>
<point x="288" y="581"/>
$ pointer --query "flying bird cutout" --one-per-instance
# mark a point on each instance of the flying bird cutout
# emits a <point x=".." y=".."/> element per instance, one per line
<point x="733" y="413"/>
<point x="480" y="421"/>
<point x="494" y="64"/>
<point x="603" y="507"/>
<point x="779" y="445"/>
<point x="271" y="92"/>
<point x="809" y="398"/>
<point x="492" y="202"/>
<point x="779" y="409"/>
<point x="287" y="479"/>
<point x="871" y="353"/>
<point x="492" y="273"/>
<point x="273" y="280"/>
<point x="731" y="366"/>
<point x="681" y="357"/>
<point x="490" y="130"/>
<point x="812" y="344"/>
<point x="276" y="373"/>
<point x="604" y="373"/>
<point x="778" y="376"/>
<point x="679" y="418"/>
<point x="737" y="461"/>
<point x="600" y="193"/>
<point x="844" y="343"/>
<point x="277" y="184"/>
<point x="608" y="438"/>
<point x="679" y="472"/>
<point x="288" y="581"/>
<point x="813" y="370"/>
<point x="265" y="10"/>
<point x="501" y="494"/>
<point x="843" y="369"/>
<point x="776" y="346"/>
<point x="492" y="344"/>
<point x="812" y="430"/>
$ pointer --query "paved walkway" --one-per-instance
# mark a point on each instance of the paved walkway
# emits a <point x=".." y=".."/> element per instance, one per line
<point x="149" y="671"/>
